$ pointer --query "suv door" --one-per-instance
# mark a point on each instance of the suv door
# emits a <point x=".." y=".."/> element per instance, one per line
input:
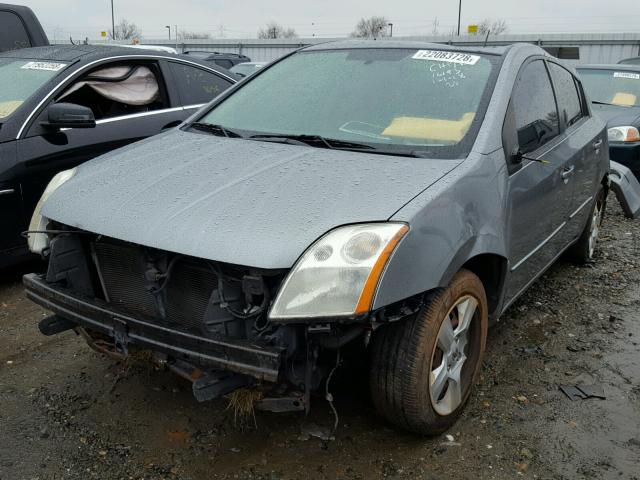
<point x="585" y="145"/>
<point x="43" y="152"/>
<point x="540" y="194"/>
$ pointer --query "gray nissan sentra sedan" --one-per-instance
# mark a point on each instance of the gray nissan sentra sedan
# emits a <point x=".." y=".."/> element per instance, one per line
<point x="387" y="199"/>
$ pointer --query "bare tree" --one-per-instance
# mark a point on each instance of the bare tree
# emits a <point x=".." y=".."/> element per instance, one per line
<point x="186" y="35"/>
<point x="274" y="30"/>
<point x="496" y="27"/>
<point x="372" y="27"/>
<point x="125" y="30"/>
<point x="435" y="27"/>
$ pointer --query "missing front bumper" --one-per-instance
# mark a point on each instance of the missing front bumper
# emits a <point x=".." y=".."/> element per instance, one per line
<point x="240" y="356"/>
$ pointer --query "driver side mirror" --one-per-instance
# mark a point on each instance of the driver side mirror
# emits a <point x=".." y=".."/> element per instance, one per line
<point x="69" y="115"/>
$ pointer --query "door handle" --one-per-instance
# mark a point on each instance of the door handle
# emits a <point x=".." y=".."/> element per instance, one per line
<point x="597" y="145"/>
<point x="567" y="172"/>
<point x="8" y="191"/>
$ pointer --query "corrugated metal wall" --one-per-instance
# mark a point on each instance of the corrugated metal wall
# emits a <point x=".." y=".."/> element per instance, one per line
<point x="594" y="48"/>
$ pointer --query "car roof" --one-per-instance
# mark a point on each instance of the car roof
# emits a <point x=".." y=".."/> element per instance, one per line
<point x="621" y="67"/>
<point x="89" y="53"/>
<point x="71" y="53"/>
<point x="400" y="44"/>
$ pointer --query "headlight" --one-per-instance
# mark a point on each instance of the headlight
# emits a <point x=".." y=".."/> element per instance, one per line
<point x="338" y="275"/>
<point x="39" y="241"/>
<point x="623" y="134"/>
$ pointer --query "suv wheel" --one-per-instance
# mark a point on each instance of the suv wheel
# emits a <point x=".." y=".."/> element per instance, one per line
<point x="423" y="368"/>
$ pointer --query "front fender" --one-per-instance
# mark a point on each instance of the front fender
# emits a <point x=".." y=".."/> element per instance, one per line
<point x="451" y="222"/>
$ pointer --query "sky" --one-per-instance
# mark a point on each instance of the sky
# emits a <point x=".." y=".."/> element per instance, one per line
<point x="331" y="18"/>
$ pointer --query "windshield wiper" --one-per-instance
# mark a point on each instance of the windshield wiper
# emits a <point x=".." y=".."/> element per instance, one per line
<point x="313" y="140"/>
<point x="218" y="130"/>
<point x="605" y="103"/>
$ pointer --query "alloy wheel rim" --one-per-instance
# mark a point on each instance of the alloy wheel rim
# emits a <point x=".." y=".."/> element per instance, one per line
<point x="449" y="356"/>
<point x="595" y="228"/>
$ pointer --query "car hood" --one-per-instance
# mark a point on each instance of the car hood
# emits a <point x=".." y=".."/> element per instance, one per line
<point x="237" y="201"/>
<point x="618" y="116"/>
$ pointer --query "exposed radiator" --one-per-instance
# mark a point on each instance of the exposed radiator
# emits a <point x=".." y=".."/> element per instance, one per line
<point x="190" y="298"/>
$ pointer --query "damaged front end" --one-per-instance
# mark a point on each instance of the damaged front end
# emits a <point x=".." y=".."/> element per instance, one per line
<point x="207" y="321"/>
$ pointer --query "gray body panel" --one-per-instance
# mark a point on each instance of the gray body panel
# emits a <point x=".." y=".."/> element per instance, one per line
<point x="262" y="205"/>
<point x="236" y="201"/>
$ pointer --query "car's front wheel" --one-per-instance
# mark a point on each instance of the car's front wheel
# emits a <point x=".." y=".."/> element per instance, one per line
<point x="423" y="367"/>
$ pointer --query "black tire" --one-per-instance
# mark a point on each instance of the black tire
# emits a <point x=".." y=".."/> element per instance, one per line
<point x="403" y="356"/>
<point x="583" y="250"/>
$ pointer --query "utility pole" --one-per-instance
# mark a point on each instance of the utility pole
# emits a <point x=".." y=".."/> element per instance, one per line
<point x="113" y="23"/>
<point x="390" y="29"/>
<point x="459" y="13"/>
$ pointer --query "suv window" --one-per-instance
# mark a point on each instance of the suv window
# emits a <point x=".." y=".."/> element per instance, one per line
<point x="569" y="104"/>
<point x="224" y="63"/>
<point x="197" y="85"/>
<point x="534" y="107"/>
<point x="13" y="35"/>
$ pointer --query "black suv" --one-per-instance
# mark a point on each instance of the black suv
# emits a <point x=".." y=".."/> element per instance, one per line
<point x="20" y="28"/>
<point x="224" y="60"/>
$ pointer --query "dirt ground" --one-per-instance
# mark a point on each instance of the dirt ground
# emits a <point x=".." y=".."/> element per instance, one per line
<point x="67" y="412"/>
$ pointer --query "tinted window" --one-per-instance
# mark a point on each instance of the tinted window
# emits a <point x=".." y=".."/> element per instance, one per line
<point x="534" y="107"/>
<point x="399" y="100"/>
<point x="12" y="32"/>
<point x="197" y="85"/>
<point x="569" y="104"/>
<point x="224" y="63"/>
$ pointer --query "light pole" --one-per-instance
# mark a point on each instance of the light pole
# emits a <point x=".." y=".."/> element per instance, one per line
<point x="168" y="27"/>
<point x="113" y="23"/>
<point x="459" y="13"/>
<point x="390" y="29"/>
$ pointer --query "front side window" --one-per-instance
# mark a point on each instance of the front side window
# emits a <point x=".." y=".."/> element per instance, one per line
<point x="196" y="85"/>
<point x="616" y="87"/>
<point x="569" y="104"/>
<point x="20" y="79"/>
<point x="117" y="90"/>
<point x="402" y="100"/>
<point x="534" y="107"/>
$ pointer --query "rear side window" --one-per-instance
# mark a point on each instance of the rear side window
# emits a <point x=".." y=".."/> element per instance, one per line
<point x="569" y="104"/>
<point x="534" y="107"/>
<point x="197" y="85"/>
<point x="13" y="35"/>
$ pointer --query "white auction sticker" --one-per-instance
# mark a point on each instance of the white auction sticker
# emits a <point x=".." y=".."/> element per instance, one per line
<point x="635" y="76"/>
<point x="444" y="56"/>
<point x="50" y="66"/>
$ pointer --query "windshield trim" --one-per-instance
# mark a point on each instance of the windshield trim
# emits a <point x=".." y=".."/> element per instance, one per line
<point x="462" y="148"/>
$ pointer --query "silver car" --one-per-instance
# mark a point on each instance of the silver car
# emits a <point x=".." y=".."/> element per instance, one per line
<point x="385" y="199"/>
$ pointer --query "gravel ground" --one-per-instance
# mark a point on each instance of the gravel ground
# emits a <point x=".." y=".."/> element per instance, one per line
<point x="67" y="412"/>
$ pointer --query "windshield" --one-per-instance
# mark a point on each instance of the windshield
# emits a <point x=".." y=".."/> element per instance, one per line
<point x="20" y="79"/>
<point x="612" y="86"/>
<point x="402" y="100"/>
